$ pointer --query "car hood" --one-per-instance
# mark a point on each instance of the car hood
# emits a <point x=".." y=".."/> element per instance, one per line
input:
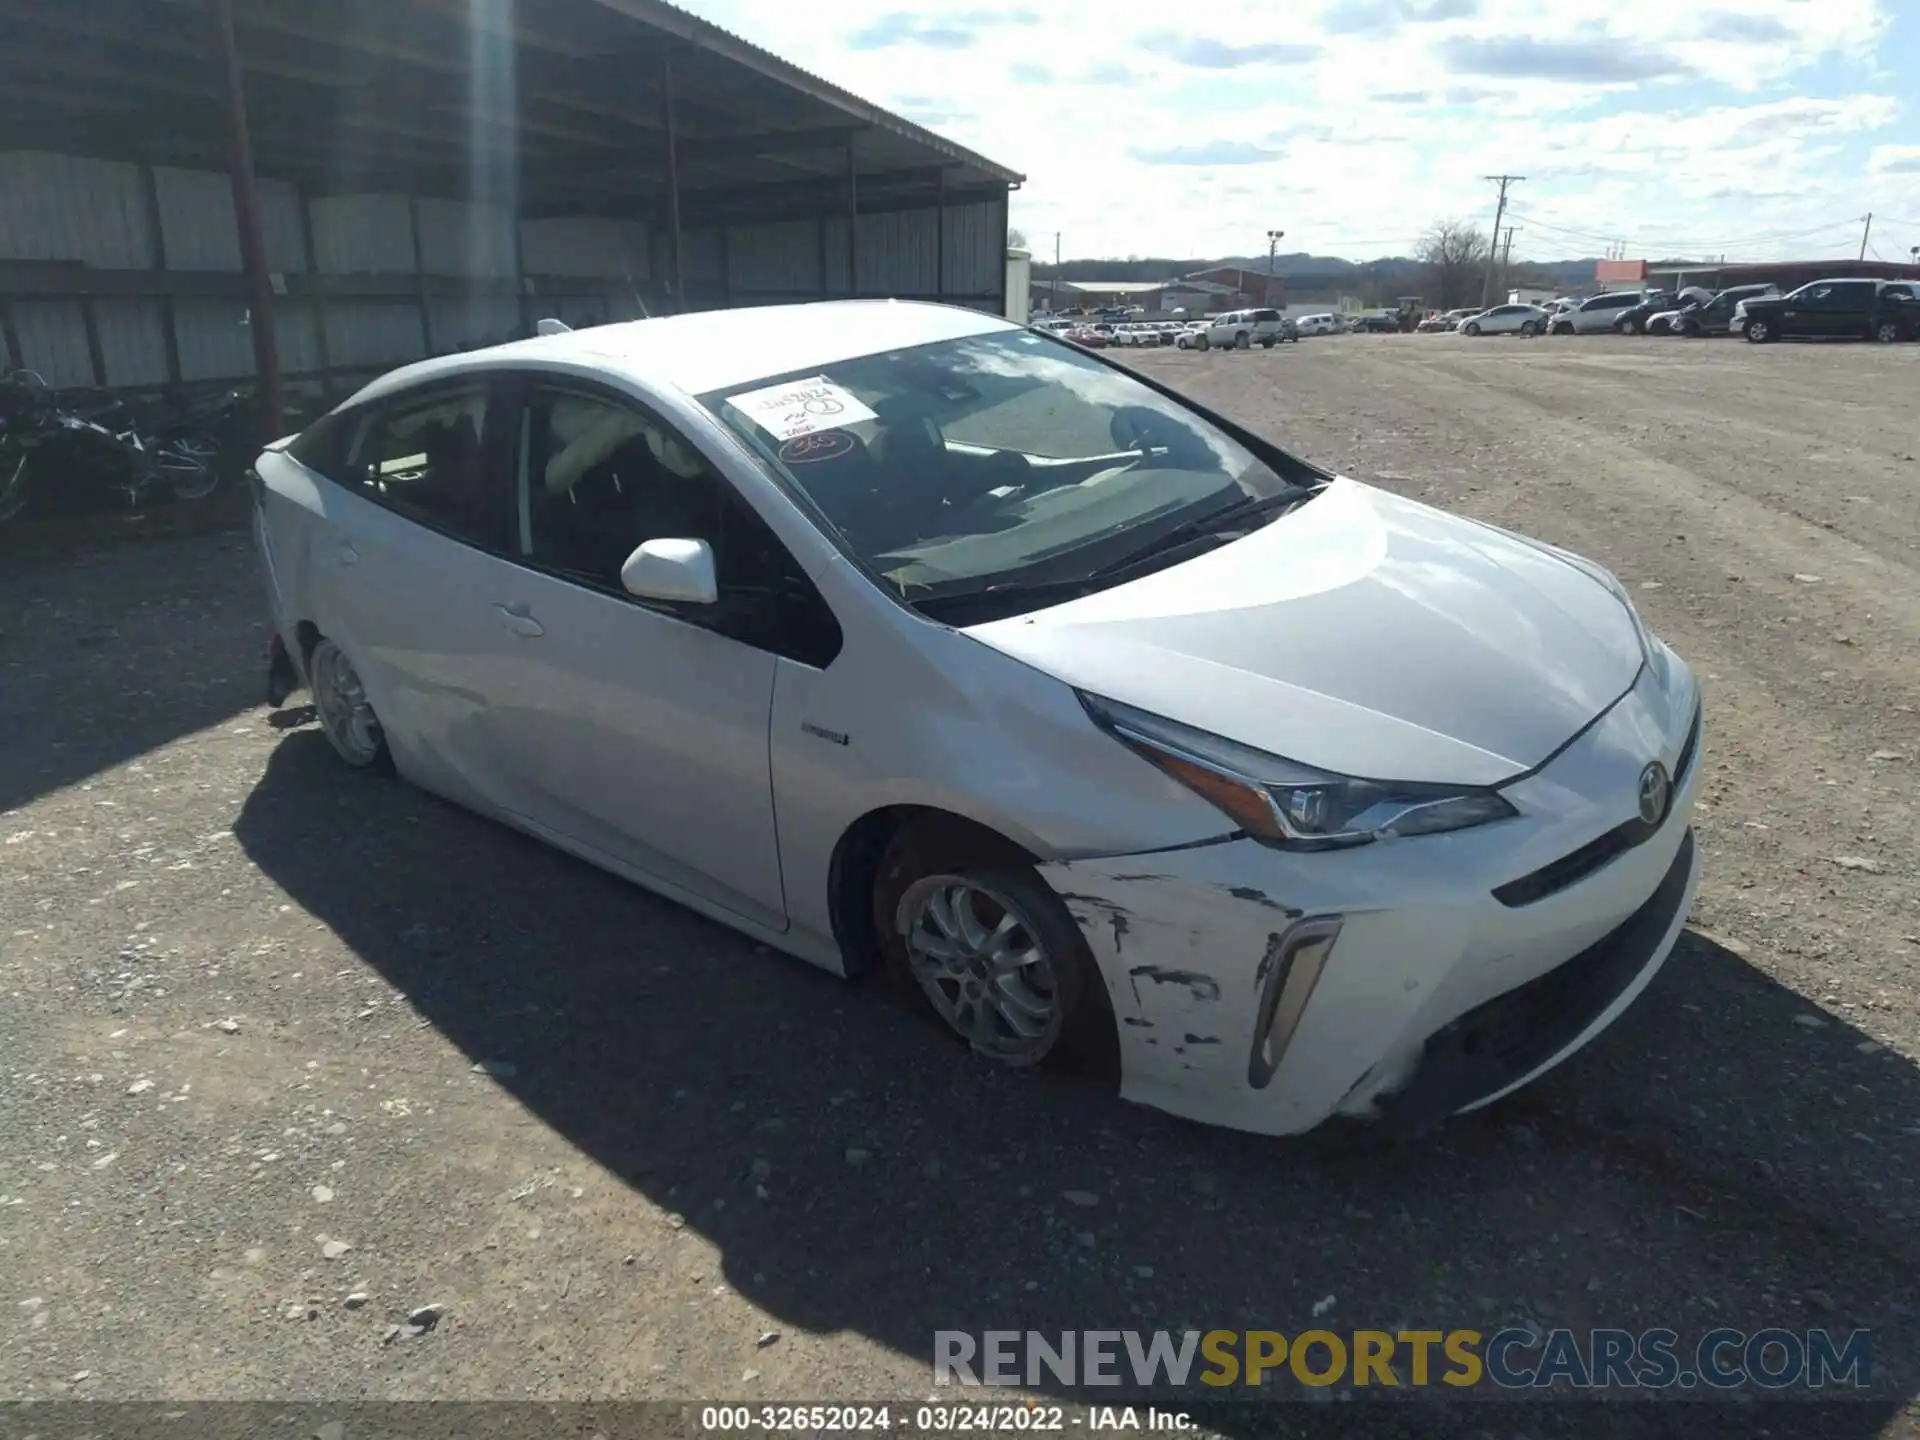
<point x="1362" y="633"/>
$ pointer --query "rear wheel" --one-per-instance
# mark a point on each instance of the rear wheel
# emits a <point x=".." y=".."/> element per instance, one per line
<point x="1266" y="342"/>
<point x="980" y="942"/>
<point x="346" y="715"/>
<point x="1529" y="329"/>
<point x="1887" y="331"/>
<point x="1201" y="343"/>
<point x="1242" y="340"/>
<point x="186" y="466"/>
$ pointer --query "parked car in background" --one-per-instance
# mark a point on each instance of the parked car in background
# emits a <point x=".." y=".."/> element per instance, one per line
<point x="1189" y="336"/>
<point x="1596" y="313"/>
<point x="1325" y="323"/>
<point x="1506" y="320"/>
<point x="1712" y="316"/>
<point x="1377" y="325"/>
<point x="1884" y="310"/>
<point x="1634" y="319"/>
<point x="778" y="613"/>
<point x="1239" y="329"/>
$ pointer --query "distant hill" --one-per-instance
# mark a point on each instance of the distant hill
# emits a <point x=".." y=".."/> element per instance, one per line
<point x="1313" y="275"/>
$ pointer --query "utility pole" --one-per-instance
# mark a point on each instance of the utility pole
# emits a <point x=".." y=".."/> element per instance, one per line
<point x="1273" y="244"/>
<point x="1499" y="214"/>
<point x="1864" y="233"/>
<point x="1506" y="260"/>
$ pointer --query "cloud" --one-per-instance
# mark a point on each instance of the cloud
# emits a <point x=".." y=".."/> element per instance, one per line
<point x="1383" y="17"/>
<point x="1584" y="62"/>
<point x="1111" y="74"/>
<point x="1403" y="97"/>
<point x="955" y="30"/>
<point x="1895" y="160"/>
<point x="1027" y="73"/>
<point x="1203" y="53"/>
<point x="1210" y="152"/>
<point x="1744" y="29"/>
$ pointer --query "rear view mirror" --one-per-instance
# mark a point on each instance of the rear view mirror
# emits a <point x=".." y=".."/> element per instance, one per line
<point x="676" y="570"/>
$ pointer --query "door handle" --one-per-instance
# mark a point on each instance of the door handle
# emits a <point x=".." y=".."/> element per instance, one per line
<point x="516" y="619"/>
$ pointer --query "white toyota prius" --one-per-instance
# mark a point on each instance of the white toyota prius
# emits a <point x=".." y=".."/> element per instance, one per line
<point x="897" y="634"/>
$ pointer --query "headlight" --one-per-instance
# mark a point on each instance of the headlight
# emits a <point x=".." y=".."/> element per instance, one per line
<point x="1283" y="803"/>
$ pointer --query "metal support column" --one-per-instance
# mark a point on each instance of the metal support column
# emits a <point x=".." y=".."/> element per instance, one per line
<point x="940" y="237"/>
<point x="853" y="222"/>
<point x="246" y="206"/>
<point x="157" y="262"/>
<point x="676" y="255"/>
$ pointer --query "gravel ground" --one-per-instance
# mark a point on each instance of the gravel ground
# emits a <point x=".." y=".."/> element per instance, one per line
<point x="289" y="1054"/>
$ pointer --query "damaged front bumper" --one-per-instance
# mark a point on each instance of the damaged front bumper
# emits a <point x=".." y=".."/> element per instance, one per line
<point x="1270" y="991"/>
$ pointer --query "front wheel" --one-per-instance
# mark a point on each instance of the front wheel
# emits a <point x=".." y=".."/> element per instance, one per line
<point x="1634" y="327"/>
<point x="1470" y="328"/>
<point x="14" y="468"/>
<point x="976" y="937"/>
<point x="1759" y="332"/>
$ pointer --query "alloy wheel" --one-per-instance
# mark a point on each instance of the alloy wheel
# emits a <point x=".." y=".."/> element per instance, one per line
<point x="345" y="712"/>
<point x="980" y="962"/>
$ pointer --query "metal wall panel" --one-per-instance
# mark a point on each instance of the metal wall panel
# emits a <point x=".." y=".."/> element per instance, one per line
<point x="837" y="257"/>
<point x="53" y="340"/>
<point x="133" y="342"/>
<point x="196" y="219"/>
<point x="461" y="239"/>
<point x="703" y="252"/>
<point x="462" y="324"/>
<point x="215" y="343"/>
<point x="298" y="338"/>
<point x="373" y="332"/>
<point x="62" y="207"/>
<point x="362" y="234"/>
<point x="976" y="256"/>
<point x="581" y="246"/>
<point x="780" y="259"/>
<point x="898" y="252"/>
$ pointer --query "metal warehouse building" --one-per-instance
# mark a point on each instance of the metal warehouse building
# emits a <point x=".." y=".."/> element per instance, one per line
<point x="389" y="179"/>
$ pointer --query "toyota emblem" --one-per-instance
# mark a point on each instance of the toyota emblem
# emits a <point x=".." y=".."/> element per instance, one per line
<point x="1655" y="791"/>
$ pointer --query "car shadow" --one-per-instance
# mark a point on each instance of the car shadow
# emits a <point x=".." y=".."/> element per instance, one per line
<point x="108" y="653"/>
<point x="1715" y="1160"/>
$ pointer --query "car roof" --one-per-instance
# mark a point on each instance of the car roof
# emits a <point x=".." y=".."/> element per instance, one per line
<point x="715" y="349"/>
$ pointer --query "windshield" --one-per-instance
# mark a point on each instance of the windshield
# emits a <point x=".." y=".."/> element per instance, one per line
<point x="997" y="463"/>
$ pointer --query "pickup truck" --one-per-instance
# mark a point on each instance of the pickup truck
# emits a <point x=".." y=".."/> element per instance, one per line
<point x="1884" y="310"/>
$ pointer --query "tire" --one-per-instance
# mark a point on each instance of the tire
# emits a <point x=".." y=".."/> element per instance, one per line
<point x="1760" y="332"/>
<point x="1267" y="343"/>
<point x="1887" y="331"/>
<point x="1062" y="1017"/>
<point x="188" y="468"/>
<point x="16" y="473"/>
<point x="346" y="716"/>
<point x="1633" y="327"/>
<point x="1470" y="328"/>
<point x="1242" y="340"/>
<point x="1201" y="342"/>
<point x="1565" y="327"/>
<point x="1529" y="329"/>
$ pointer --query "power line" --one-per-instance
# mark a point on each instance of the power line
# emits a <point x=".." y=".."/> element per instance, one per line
<point x="1668" y="243"/>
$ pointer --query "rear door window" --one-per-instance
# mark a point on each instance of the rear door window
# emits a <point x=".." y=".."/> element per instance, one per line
<point x="423" y="455"/>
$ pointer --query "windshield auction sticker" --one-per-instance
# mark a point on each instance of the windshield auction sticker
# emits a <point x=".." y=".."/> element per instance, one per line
<point x="801" y="407"/>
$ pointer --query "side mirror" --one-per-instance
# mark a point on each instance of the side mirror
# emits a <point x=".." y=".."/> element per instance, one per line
<point x="677" y="570"/>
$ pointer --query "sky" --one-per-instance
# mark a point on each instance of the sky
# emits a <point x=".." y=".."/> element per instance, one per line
<point x="1757" y="129"/>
